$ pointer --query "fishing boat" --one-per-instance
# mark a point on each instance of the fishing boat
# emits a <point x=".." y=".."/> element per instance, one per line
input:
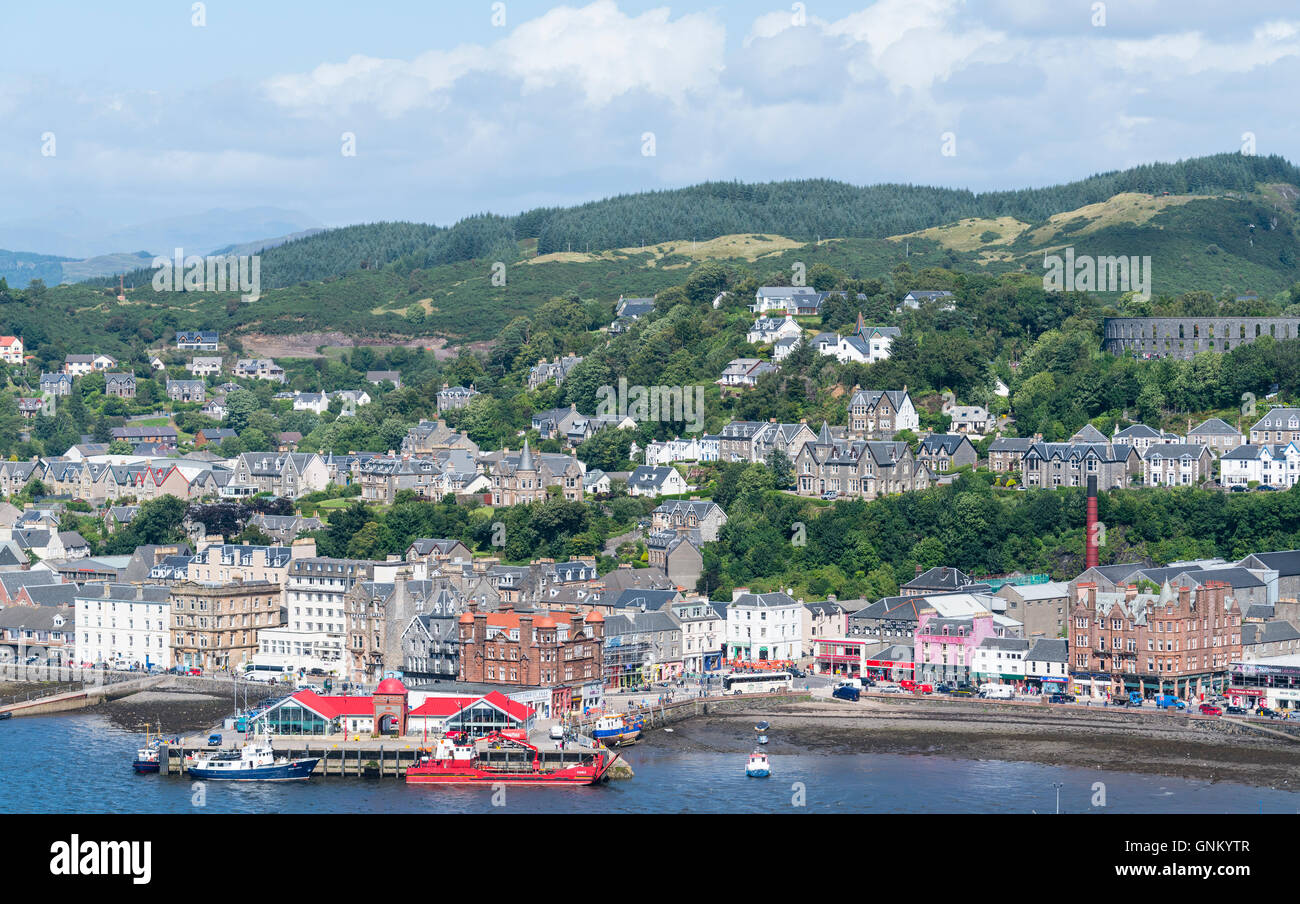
<point x="146" y="758"/>
<point x="758" y="766"/>
<point x="254" y="762"/>
<point x="501" y="759"/>
<point x="618" y="729"/>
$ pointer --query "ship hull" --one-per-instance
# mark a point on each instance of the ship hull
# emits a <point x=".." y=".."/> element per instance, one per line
<point x="298" y="770"/>
<point x="145" y="767"/>
<point x="464" y="774"/>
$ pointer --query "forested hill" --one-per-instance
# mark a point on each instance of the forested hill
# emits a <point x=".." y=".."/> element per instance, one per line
<point x="800" y="210"/>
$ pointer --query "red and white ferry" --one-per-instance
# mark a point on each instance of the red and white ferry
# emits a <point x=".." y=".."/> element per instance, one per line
<point x="500" y="758"/>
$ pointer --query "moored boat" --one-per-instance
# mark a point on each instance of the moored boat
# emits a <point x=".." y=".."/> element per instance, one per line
<point x="618" y="729"/>
<point x="500" y="759"/>
<point x="146" y="758"/>
<point x="6" y="715"/>
<point x="255" y="762"/>
<point x="758" y="766"/>
<point x="762" y="739"/>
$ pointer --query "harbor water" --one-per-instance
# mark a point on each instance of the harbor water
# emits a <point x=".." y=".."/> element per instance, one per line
<point x="81" y="763"/>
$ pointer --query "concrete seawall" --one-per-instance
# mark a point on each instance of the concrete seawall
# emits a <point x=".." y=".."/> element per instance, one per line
<point x="80" y="699"/>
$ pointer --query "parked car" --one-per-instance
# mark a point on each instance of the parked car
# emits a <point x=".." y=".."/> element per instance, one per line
<point x="847" y="692"/>
<point x="196" y="672"/>
<point x="1265" y="711"/>
<point x="214" y="740"/>
<point x="831" y="496"/>
<point x="1238" y="711"/>
<point x="889" y="689"/>
<point x="1061" y="698"/>
<point x="943" y="689"/>
<point x="1209" y="709"/>
<point x="963" y="690"/>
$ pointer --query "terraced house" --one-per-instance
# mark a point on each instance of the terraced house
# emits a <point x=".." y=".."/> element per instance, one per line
<point x="690" y="515"/>
<point x="880" y="413"/>
<point x="944" y="452"/>
<point x="1280" y="425"/>
<point x="290" y="474"/>
<point x="383" y="478"/>
<point x="858" y="469"/>
<point x="1071" y="464"/>
<point x="1176" y="465"/>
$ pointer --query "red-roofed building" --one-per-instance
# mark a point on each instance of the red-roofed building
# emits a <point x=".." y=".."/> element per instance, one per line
<point x="309" y="713"/>
<point x="11" y="350"/>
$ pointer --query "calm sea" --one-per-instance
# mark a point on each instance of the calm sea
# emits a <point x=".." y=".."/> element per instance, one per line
<point x="82" y="764"/>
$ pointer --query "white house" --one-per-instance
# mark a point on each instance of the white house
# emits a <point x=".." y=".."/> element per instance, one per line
<point x="204" y="366"/>
<point x="1046" y="663"/>
<point x="650" y="481"/>
<point x="671" y="450"/>
<point x="317" y="402"/>
<point x="970" y="419"/>
<point x="124" y="622"/>
<point x="1000" y="660"/>
<point x="1268" y="465"/>
<point x="767" y="330"/>
<point x="764" y="626"/>
<point x="11" y="349"/>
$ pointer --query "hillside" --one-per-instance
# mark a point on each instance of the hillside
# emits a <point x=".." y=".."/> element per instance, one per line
<point x="398" y="282"/>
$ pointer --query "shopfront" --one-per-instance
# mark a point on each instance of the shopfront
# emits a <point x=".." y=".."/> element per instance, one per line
<point x="1273" y="682"/>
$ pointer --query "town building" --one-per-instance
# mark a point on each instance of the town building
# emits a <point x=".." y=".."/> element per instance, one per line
<point x="1043" y="608"/>
<point x="530" y="649"/>
<point x="764" y="627"/>
<point x="945" y="647"/>
<point x="123" y="623"/>
<point x="704" y="634"/>
<point x="1181" y="641"/>
<point x="216" y="626"/>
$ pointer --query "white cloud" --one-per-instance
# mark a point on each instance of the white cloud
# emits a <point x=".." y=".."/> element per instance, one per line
<point x="597" y="51"/>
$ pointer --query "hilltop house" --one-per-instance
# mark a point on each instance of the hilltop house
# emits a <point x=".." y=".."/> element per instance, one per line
<point x="197" y="340"/>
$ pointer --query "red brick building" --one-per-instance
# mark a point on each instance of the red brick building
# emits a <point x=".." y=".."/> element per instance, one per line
<point x="1177" y="641"/>
<point x="530" y="649"/>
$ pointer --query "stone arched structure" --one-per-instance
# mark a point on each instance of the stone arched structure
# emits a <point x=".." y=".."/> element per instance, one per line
<point x="1184" y="337"/>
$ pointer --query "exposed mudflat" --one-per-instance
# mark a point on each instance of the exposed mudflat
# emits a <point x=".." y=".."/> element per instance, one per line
<point x="1154" y="743"/>
<point x="178" y="712"/>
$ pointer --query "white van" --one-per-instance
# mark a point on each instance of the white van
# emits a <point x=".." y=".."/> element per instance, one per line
<point x="997" y="691"/>
<point x="848" y="682"/>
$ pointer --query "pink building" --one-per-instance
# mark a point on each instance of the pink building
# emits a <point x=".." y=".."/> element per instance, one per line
<point x="945" y="647"/>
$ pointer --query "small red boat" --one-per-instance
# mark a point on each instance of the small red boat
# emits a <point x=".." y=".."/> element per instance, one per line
<point x="498" y="758"/>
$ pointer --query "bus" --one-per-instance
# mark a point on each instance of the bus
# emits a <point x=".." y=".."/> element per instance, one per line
<point x="267" y="673"/>
<point x="757" y="683"/>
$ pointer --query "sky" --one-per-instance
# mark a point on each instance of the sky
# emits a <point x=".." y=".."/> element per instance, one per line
<point x="334" y="112"/>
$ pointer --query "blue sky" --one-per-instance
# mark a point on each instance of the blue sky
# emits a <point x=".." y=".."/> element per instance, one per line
<point x="154" y="118"/>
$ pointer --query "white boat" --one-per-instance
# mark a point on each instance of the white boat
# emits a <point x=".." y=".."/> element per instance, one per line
<point x="254" y="762"/>
<point x="758" y="766"/>
<point x="762" y="739"/>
